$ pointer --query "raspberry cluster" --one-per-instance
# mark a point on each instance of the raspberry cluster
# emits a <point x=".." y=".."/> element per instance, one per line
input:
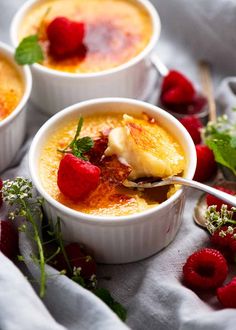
<point x="177" y="92"/>
<point x="206" y="165"/>
<point x="208" y="268"/>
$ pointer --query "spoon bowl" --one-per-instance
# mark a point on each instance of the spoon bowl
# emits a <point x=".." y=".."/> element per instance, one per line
<point x="229" y="199"/>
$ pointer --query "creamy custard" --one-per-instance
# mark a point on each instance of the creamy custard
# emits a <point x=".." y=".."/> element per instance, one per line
<point x="11" y="87"/>
<point x="147" y="148"/>
<point x="107" y="199"/>
<point x="116" y="31"/>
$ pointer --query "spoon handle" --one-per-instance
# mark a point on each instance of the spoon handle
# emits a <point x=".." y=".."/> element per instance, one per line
<point x="229" y="199"/>
<point x="208" y="88"/>
<point x="159" y="65"/>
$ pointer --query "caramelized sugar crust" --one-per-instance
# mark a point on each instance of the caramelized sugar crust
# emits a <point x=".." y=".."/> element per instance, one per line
<point x="116" y="31"/>
<point x="11" y="88"/>
<point x="110" y="198"/>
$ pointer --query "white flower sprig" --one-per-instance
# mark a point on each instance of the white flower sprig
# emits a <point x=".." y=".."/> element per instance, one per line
<point x="18" y="194"/>
<point x="216" y="219"/>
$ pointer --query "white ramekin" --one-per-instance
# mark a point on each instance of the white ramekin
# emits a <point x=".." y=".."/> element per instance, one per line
<point x="54" y="90"/>
<point x="126" y="238"/>
<point x="12" y="128"/>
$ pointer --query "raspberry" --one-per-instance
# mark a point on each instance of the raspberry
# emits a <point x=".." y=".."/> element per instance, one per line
<point x="78" y="258"/>
<point x="1" y="185"/>
<point x="227" y="294"/>
<point x="8" y="239"/>
<point x="205" y="269"/>
<point x="197" y="105"/>
<point x="212" y="200"/>
<point x="176" y="89"/>
<point x="193" y="126"/>
<point x="232" y="245"/>
<point x="65" y="36"/>
<point x="226" y="243"/>
<point x="222" y="240"/>
<point x="77" y="178"/>
<point x="206" y="165"/>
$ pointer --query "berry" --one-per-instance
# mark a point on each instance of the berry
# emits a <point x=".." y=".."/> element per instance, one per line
<point x="225" y="241"/>
<point x="65" y="36"/>
<point x="205" y="269"/>
<point x="227" y="294"/>
<point x="193" y="126"/>
<point x="1" y="185"/>
<point x="212" y="200"/>
<point x="8" y="239"/>
<point x="197" y="105"/>
<point x="78" y="258"/>
<point x="77" y="178"/>
<point x="95" y="154"/>
<point x="206" y="165"/>
<point x="176" y="89"/>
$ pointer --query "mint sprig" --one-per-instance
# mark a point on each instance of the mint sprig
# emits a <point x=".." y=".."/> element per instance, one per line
<point x="221" y="139"/>
<point x="79" y="146"/>
<point x="29" y="51"/>
<point x="224" y="150"/>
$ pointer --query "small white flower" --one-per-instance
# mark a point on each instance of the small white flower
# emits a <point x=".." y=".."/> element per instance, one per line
<point x="230" y="230"/>
<point x="222" y="233"/>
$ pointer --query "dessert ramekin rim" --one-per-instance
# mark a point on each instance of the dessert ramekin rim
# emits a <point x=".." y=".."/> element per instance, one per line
<point x="9" y="52"/>
<point x="114" y="220"/>
<point x="143" y="54"/>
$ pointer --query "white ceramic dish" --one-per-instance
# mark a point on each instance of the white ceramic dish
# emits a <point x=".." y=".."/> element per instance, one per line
<point x="54" y="90"/>
<point x="12" y="128"/>
<point x="126" y="238"/>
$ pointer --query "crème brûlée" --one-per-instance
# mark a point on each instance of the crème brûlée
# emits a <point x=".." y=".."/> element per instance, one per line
<point x="11" y="87"/>
<point x="124" y="147"/>
<point x="115" y="32"/>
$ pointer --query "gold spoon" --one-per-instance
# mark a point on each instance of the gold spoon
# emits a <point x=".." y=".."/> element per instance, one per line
<point x="207" y="87"/>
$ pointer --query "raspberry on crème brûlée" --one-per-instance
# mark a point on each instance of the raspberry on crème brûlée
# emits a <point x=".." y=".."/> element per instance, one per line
<point x="115" y="32"/>
<point x="125" y="146"/>
<point x="11" y="87"/>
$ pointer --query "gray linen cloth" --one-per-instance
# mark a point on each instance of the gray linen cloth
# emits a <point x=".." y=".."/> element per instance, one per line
<point x="150" y="289"/>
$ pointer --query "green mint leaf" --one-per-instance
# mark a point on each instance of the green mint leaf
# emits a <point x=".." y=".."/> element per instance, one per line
<point x="233" y="142"/>
<point x="79" y="280"/>
<point x="29" y="51"/>
<point x="225" y="153"/>
<point x="84" y="144"/>
<point x="119" y="310"/>
<point x="106" y="297"/>
<point x="79" y="146"/>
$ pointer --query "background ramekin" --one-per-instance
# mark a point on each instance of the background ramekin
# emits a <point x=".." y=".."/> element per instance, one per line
<point x="126" y="238"/>
<point x="12" y="128"/>
<point x="54" y="90"/>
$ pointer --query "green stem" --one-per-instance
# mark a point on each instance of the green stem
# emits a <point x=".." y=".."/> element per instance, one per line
<point x="48" y="242"/>
<point x="64" y="151"/>
<point x="231" y="221"/>
<point x="54" y="254"/>
<point x="62" y="245"/>
<point x="40" y="250"/>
